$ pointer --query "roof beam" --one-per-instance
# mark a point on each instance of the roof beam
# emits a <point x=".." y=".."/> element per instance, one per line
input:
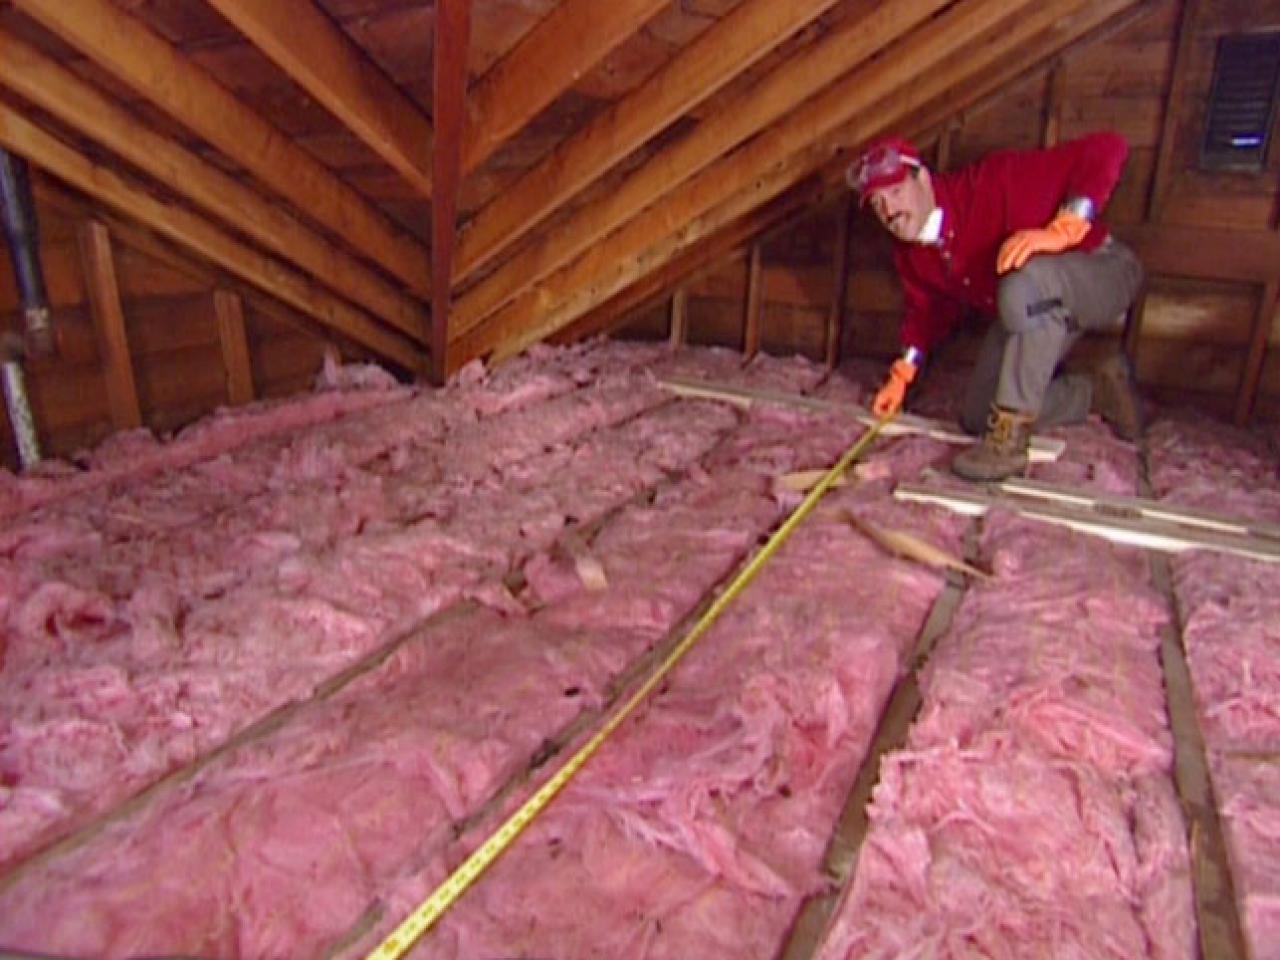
<point x="944" y="54"/>
<point x="694" y="74"/>
<point x="155" y="69"/>
<point x="192" y="231"/>
<point x="567" y="43"/>
<point x="315" y="53"/>
<point x="449" y="98"/>
<point x="780" y="93"/>
<point x="52" y="87"/>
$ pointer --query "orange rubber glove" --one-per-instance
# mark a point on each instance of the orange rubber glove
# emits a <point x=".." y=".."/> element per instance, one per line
<point x="890" y="397"/>
<point x="1063" y="232"/>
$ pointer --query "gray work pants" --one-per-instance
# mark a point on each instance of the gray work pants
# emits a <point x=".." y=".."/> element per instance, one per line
<point x="1044" y="308"/>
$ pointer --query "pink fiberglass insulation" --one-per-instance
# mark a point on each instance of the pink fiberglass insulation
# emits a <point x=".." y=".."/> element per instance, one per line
<point x="145" y="623"/>
<point x="701" y="826"/>
<point x="415" y="745"/>
<point x="1031" y="812"/>
<point x="1230" y="608"/>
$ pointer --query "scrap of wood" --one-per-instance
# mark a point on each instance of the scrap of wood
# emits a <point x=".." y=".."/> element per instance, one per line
<point x="802" y="481"/>
<point x="1163" y="534"/>
<point x="1042" y="450"/>
<point x="910" y="547"/>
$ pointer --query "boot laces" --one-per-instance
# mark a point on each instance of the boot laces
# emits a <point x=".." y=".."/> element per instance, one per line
<point x="1002" y="431"/>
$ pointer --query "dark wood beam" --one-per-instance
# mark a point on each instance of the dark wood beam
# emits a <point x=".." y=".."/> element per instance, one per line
<point x="449" y="100"/>
<point x="839" y="282"/>
<point x="1263" y="322"/>
<point x="1162" y="174"/>
<point x="753" y="302"/>
<point x="679" y="329"/>
<point x="229" y="312"/>
<point x="103" y="289"/>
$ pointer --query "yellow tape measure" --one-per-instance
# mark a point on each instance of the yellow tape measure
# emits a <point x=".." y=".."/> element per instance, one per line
<point x="402" y="939"/>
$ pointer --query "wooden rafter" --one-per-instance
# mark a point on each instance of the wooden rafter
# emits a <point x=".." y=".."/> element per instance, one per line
<point x="228" y="310"/>
<point x="197" y="234"/>
<point x="156" y="70"/>
<point x="452" y="37"/>
<point x="51" y="87"/>
<point x="697" y="72"/>
<point x="103" y="289"/>
<point x="777" y="95"/>
<point x="567" y="43"/>
<point x="315" y="53"/>
<point x="877" y="95"/>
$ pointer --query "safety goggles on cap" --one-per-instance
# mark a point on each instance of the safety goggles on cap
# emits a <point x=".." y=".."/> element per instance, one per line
<point x="882" y="165"/>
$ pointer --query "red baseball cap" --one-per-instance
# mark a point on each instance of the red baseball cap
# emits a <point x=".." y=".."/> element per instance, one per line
<point x="882" y="164"/>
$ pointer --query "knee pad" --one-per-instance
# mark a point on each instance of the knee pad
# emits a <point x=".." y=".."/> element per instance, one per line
<point x="1024" y="299"/>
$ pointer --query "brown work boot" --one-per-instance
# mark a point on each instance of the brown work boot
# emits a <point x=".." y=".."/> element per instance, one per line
<point x="1002" y="451"/>
<point x="1115" y="398"/>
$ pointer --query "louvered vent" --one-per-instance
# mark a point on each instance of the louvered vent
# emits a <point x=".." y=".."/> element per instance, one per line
<point x="1246" y="79"/>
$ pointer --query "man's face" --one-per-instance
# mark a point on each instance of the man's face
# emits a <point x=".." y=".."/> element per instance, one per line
<point x="903" y="207"/>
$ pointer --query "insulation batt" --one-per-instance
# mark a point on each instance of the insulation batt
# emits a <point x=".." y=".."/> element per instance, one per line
<point x="1230" y="608"/>
<point x="1031" y="812"/>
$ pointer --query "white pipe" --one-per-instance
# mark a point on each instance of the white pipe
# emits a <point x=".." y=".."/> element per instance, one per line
<point x="24" y="425"/>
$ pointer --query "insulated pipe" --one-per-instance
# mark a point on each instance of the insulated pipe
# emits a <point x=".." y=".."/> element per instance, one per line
<point x="18" y="209"/>
<point x="15" y="400"/>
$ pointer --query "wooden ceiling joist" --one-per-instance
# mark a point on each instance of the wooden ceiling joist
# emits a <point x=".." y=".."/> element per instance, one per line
<point x="950" y="52"/>
<point x="315" y="53"/>
<point x="452" y="34"/>
<point x="158" y="71"/>
<point x="197" y="234"/>
<point x="78" y="104"/>
<point x="567" y="43"/>
<point x="802" y="76"/>
<point x="694" y="74"/>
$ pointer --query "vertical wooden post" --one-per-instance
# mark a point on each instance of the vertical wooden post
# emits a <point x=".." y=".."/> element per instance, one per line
<point x="679" y="317"/>
<point x="449" y="115"/>
<point x="99" y="266"/>
<point x="1162" y="174"/>
<point x="1251" y="373"/>
<point x="839" y="284"/>
<point x="229" y="312"/>
<point x="1051" y="132"/>
<point x="754" y="311"/>
<point x="942" y="157"/>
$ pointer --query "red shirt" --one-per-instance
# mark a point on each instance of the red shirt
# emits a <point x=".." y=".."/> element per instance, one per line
<point x="981" y="206"/>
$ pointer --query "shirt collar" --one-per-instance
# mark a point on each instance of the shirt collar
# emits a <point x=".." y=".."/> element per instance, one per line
<point x="931" y="230"/>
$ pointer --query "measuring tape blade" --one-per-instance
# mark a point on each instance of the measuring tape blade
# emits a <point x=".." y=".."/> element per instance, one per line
<point x="424" y="917"/>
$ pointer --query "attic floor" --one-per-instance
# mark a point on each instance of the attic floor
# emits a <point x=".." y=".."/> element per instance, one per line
<point x="266" y="683"/>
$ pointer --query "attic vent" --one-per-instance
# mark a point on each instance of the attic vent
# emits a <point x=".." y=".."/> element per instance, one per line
<point x="1246" y="78"/>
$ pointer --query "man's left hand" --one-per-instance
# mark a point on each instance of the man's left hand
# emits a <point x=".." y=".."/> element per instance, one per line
<point x="1064" y="232"/>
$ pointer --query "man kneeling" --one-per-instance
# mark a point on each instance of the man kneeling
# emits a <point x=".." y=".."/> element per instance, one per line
<point x="1013" y="237"/>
